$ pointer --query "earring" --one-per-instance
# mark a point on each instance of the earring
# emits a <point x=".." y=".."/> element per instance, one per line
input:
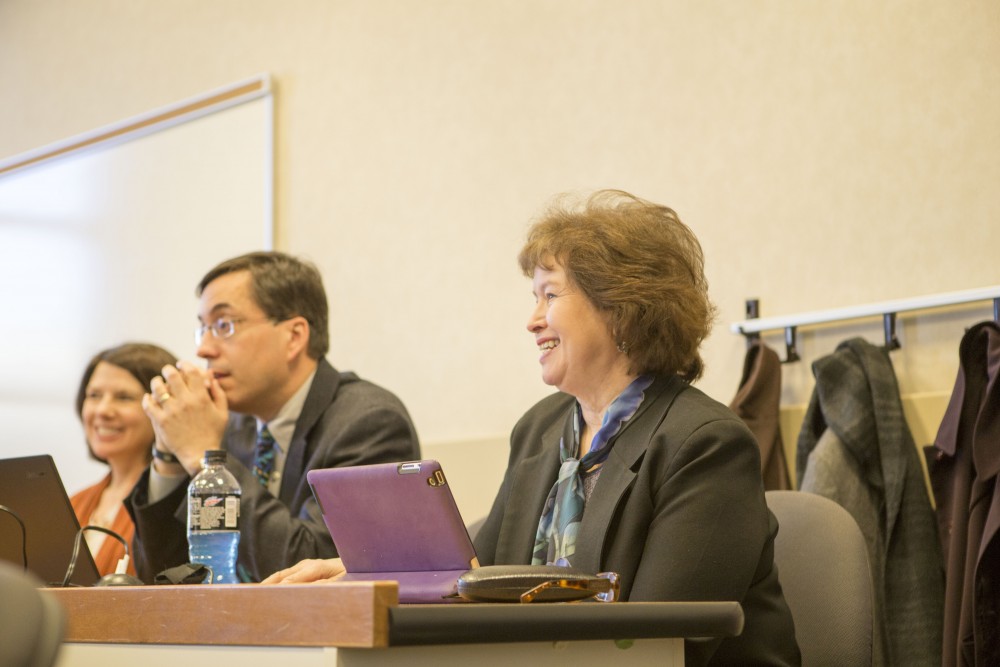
<point x="623" y="347"/>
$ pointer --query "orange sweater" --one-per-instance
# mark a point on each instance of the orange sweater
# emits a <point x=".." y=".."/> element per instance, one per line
<point x="111" y="551"/>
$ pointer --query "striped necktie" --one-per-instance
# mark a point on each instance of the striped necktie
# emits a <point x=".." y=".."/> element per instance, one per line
<point x="263" y="457"/>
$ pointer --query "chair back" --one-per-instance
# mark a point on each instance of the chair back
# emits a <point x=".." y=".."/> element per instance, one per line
<point x="823" y="567"/>
<point x="32" y="623"/>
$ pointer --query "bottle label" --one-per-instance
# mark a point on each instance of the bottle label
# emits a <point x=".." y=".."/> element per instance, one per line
<point x="214" y="512"/>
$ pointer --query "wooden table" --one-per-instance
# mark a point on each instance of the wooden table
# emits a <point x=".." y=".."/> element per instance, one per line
<point x="360" y="623"/>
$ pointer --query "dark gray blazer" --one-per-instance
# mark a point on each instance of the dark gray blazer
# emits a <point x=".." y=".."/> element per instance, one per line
<point x="678" y="512"/>
<point x="345" y="421"/>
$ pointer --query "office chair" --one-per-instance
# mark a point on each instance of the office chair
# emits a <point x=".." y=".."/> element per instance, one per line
<point x="32" y="624"/>
<point x="823" y="567"/>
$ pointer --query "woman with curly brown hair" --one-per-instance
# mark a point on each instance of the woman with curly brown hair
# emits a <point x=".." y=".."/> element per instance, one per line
<point x="629" y="468"/>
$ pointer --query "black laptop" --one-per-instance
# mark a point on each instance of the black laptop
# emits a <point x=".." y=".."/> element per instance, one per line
<point x="30" y="486"/>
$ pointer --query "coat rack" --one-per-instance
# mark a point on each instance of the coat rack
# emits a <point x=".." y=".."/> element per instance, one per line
<point x="754" y="324"/>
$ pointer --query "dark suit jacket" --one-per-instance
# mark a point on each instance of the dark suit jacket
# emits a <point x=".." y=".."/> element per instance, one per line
<point x="964" y="464"/>
<point x="345" y="421"/>
<point x="678" y="512"/>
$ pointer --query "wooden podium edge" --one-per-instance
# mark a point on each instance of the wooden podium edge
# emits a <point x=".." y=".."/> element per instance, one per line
<point x="342" y="614"/>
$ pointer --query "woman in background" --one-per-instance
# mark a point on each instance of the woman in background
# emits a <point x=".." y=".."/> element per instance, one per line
<point x="118" y="433"/>
<point x="629" y="468"/>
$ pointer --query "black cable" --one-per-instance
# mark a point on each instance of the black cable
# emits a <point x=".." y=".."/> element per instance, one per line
<point x="24" y="535"/>
<point x="76" y="549"/>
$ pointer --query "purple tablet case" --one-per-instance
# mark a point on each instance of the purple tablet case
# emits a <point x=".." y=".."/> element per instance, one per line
<point x="396" y="521"/>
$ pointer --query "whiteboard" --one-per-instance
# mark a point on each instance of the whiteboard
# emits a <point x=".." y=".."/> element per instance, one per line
<point x="106" y="244"/>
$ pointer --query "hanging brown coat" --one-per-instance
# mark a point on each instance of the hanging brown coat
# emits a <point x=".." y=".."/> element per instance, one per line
<point x="757" y="403"/>
<point x="963" y="466"/>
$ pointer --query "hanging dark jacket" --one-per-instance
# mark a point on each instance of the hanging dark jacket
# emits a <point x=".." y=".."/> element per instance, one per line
<point x="963" y="466"/>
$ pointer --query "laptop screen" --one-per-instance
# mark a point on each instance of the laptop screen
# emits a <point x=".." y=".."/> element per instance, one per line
<point x="31" y="487"/>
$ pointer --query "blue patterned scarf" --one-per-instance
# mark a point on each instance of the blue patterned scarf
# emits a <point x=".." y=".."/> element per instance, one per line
<point x="555" y="541"/>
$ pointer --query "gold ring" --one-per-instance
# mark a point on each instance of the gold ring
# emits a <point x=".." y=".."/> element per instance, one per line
<point x="163" y="398"/>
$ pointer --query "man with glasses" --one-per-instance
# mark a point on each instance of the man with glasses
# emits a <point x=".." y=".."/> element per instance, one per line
<point x="269" y="397"/>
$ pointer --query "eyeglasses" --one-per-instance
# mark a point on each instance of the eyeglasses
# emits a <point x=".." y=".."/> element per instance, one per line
<point x="224" y="327"/>
<point x="605" y="588"/>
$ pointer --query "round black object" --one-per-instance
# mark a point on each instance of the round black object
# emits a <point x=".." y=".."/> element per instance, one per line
<point x="119" y="579"/>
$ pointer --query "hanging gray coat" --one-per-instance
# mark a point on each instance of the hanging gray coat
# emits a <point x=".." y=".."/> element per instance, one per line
<point x="856" y="449"/>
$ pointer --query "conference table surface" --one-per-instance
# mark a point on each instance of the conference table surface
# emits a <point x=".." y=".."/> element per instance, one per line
<point x="366" y="615"/>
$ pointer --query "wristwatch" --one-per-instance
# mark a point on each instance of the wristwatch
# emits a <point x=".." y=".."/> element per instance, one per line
<point x="165" y="456"/>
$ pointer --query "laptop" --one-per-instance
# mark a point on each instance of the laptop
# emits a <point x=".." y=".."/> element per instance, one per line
<point x="30" y="486"/>
<point x="396" y="521"/>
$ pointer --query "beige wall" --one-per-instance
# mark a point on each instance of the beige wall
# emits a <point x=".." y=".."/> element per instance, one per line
<point x="826" y="153"/>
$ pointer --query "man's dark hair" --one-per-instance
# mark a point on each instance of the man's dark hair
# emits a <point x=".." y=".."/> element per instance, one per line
<point x="283" y="287"/>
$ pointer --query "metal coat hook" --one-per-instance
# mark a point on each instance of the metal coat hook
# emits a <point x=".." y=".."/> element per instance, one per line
<point x="889" y="326"/>
<point x="752" y="313"/>
<point x="791" y="352"/>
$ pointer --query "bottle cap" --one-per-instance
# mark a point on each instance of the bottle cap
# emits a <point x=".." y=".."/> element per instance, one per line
<point x="215" y="456"/>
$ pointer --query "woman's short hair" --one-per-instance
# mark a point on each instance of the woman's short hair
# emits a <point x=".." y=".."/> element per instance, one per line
<point x="143" y="361"/>
<point x="640" y="266"/>
<point x="283" y="287"/>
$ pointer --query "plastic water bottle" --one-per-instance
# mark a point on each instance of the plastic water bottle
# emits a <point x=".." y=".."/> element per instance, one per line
<point x="213" y="529"/>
